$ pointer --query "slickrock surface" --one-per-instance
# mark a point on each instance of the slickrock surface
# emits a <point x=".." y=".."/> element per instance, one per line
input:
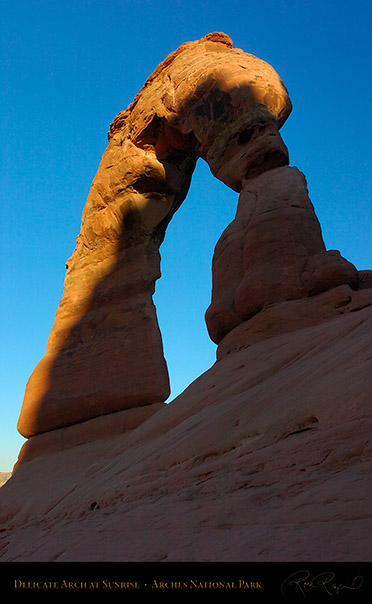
<point x="104" y="353"/>
<point x="267" y="455"/>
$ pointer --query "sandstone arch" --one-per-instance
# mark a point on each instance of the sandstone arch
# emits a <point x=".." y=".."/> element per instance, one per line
<point x="295" y="406"/>
<point x="104" y="353"/>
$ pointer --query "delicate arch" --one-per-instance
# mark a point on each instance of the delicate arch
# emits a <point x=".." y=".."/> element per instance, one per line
<point x="104" y="353"/>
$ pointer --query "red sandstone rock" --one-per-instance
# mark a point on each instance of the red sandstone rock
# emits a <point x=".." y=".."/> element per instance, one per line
<point x="104" y="353"/>
<point x="272" y="253"/>
<point x="266" y="456"/>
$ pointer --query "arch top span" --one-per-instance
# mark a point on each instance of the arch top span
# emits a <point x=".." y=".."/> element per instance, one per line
<point x="215" y="101"/>
<point x="104" y="354"/>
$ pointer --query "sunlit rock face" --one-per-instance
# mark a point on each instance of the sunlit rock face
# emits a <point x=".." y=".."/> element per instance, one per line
<point x="104" y="353"/>
<point x="264" y="457"/>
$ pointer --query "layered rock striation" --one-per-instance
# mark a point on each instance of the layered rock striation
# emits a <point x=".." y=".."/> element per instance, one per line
<point x="271" y="270"/>
<point x="104" y="353"/>
<point x="266" y="456"/>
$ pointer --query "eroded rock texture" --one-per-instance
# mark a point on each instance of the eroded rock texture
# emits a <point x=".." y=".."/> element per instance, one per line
<point x="267" y="455"/>
<point x="271" y="265"/>
<point x="104" y="353"/>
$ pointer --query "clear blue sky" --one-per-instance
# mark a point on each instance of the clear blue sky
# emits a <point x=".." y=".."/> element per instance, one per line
<point x="68" y="67"/>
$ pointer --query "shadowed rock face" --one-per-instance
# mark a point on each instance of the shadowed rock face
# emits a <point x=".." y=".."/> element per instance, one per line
<point x="266" y="456"/>
<point x="270" y="256"/>
<point x="104" y="353"/>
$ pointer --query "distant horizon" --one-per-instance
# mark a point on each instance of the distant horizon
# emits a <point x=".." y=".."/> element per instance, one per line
<point x="69" y="69"/>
